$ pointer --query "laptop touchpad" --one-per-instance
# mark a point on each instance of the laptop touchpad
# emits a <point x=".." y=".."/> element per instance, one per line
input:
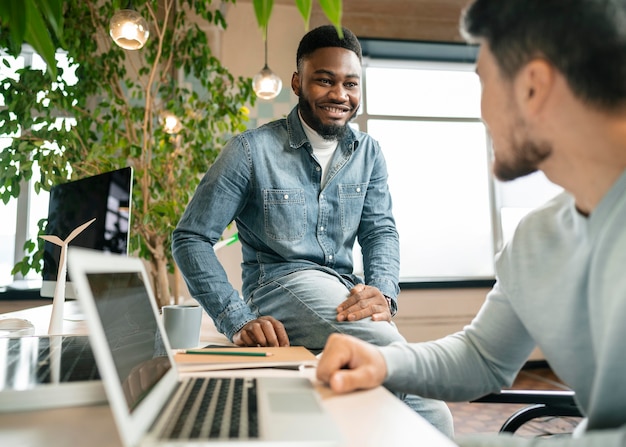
<point x="294" y="401"/>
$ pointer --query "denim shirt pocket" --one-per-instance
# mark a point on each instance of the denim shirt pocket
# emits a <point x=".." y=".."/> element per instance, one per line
<point x="284" y="214"/>
<point x="351" y="198"/>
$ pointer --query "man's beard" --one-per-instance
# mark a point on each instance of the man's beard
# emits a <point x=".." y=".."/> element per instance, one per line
<point x="326" y="131"/>
<point x="527" y="157"/>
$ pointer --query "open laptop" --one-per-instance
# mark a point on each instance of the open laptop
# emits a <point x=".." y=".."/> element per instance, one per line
<point x="146" y="394"/>
<point x="47" y="371"/>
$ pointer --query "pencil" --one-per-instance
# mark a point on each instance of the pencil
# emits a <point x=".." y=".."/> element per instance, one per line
<point x="243" y="353"/>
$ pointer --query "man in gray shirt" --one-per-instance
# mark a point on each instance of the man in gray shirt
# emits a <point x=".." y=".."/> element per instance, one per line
<point x="553" y="75"/>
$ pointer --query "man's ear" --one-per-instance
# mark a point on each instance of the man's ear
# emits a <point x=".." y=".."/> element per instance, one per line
<point x="533" y="85"/>
<point x="295" y="83"/>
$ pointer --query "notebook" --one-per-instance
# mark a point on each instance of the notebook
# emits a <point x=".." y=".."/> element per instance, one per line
<point x="47" y="371"/>
<point x="148" y="398"/>
<point x="211" y="358"/>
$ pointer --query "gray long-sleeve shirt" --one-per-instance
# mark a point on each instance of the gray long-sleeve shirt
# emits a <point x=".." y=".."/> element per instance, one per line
<point x="561" y="285"/>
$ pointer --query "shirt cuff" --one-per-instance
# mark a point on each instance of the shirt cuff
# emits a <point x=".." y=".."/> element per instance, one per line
<point x="393" y="306"/>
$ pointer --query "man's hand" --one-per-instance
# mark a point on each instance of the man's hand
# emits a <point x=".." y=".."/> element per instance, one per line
<point x="349" y="364"/>
<point x="264" y="331"/>
<point x="364" y="301"/>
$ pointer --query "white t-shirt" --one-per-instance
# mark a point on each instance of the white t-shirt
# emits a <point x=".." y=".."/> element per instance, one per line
<point x="323" y="149"/>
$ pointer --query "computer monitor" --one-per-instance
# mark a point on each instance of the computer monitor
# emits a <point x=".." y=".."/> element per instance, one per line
<point x="105" y="197"/>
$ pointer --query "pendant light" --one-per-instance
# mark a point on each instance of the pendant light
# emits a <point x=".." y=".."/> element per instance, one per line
<point x="128" y="28"/>
<point x="266" y="84"/>
<point x="171" y="123"/>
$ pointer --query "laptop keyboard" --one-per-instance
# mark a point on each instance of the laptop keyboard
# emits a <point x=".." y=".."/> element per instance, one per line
<point x="215" y="408"/>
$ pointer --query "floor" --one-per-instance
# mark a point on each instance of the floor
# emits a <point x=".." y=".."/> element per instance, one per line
<point x="471" y="418"/>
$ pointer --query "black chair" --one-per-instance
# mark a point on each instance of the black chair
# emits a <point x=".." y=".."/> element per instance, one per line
<point x="540" y="403"/>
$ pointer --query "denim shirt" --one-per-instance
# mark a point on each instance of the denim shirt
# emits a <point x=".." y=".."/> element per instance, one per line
<point x="268" y="181"/>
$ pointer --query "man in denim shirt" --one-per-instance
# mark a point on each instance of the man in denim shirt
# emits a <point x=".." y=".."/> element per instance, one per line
<point x="301" y="191"/>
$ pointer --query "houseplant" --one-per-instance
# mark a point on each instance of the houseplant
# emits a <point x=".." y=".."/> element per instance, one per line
<point x="112" y="117"/>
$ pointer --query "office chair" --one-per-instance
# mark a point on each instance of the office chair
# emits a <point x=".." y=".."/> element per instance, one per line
<point x="540" y="403"/>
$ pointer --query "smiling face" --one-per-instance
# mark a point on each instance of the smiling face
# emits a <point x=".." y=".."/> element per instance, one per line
<point x="516" y="152"/>
<point x="329" y="90"/>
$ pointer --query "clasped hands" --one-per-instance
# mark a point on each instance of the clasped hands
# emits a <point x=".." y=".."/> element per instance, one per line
<point x="362" y="302"/>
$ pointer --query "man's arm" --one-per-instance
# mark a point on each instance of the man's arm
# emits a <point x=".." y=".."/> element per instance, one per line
<point x="481" y="359"/>
<point x="349" y="364"/>
<point x="217" y="201"/>
<point x="379" y="242"/>
<point x="378" y="235"/>
<point x="598" y="438"/>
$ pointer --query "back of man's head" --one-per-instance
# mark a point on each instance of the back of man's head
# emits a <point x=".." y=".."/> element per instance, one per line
<point x="584" y="39"/>
<point x="326" y="36"/>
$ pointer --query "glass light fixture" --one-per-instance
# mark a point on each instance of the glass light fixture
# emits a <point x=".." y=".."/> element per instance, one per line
<point x="266" y="84"/>
<point x="171" y="123"/>
<point x="128" y="28"/>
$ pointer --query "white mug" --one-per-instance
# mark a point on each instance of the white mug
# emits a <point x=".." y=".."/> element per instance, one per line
<point x="182" y="325"/>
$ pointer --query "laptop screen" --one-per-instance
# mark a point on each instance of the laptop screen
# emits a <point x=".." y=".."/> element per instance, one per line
<point x="131" y="331"/>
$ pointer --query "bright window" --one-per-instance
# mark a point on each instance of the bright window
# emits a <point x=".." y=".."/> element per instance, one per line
<point x="20" y="216"/>
<point x="452" y="215"/>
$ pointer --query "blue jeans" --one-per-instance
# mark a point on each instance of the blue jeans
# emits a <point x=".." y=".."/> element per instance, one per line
<point x="306" y="302"/>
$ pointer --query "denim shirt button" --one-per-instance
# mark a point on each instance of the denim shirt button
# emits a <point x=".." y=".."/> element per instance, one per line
<point x="358" y="190"/>
<point x="330" y="257"/>
<point x="321" y="228"/>
<point x="286" y="196"/>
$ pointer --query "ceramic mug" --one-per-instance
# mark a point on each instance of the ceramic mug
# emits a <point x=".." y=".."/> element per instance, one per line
<point x="182" y="325"/>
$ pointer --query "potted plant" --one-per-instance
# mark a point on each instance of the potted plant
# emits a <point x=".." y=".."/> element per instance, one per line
<point x="114" y="116"/>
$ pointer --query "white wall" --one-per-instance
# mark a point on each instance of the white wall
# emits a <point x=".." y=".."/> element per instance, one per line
<point x="242" y="42"/>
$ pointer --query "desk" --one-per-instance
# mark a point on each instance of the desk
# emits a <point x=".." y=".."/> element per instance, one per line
<point x="366" y="418"/>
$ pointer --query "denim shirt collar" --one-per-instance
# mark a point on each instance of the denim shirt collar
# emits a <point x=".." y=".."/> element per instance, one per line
<point x="298" y="139"/>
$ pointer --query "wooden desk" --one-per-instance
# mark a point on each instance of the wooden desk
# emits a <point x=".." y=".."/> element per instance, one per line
<point x="366" y="418"/>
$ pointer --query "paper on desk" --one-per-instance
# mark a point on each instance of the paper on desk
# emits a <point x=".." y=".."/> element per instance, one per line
<point x="291" y="356"/>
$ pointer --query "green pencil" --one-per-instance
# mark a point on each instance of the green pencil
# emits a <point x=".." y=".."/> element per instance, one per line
<point x="243" y="353"/>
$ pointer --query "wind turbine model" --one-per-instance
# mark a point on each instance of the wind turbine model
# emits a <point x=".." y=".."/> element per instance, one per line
<point x="56" y="319"/>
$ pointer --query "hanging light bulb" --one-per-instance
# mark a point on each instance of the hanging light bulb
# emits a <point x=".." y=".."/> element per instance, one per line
<point x="266" y="84"/>
<point x="128" y="28"/>
<point x="171" y="123"/>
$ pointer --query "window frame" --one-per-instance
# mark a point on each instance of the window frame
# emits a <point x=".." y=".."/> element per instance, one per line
<point x="376" y="52"/>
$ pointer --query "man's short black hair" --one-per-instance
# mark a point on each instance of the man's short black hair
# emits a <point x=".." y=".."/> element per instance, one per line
<point x="584" y="39"/>
<point x="326" y="36"/>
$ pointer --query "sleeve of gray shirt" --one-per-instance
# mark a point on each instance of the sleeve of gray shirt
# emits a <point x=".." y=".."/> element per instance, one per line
<point x="481" y="359"/>
<point x="599" y="438"/>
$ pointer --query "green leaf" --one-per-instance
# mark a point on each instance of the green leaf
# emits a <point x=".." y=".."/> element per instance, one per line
<point x="263" y="11"/>
<point x="333" y="10"/>
<point x="52" y="11"/>
<point x="12" y="13"/>
<point x="38" y="36"/>
<point x="305" y="7"/>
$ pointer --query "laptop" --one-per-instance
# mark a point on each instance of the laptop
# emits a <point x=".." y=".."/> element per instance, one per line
<point x="151" y="403"/>
<point x="47" y="371"/>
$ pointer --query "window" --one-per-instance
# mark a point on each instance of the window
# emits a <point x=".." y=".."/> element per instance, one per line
<point x="21" y="215"/>
<point x="423" y="106"/>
